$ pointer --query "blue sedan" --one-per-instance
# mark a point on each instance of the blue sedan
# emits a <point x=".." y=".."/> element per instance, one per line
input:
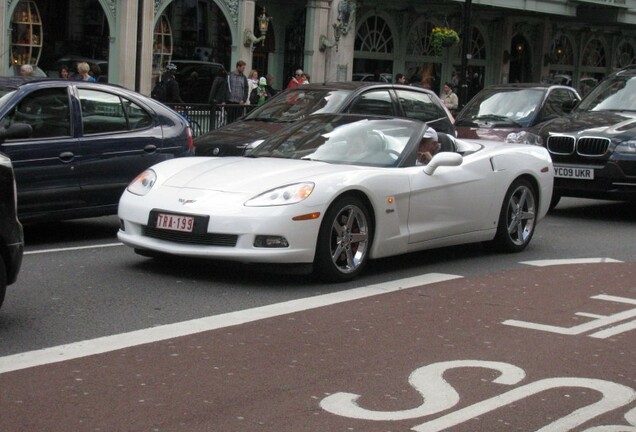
<point x="88" y="142"/>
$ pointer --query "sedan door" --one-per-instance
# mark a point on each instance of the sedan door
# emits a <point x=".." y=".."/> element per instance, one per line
<point x="119" y="140"/>
<point x="452" y="201"/>
<point x="46" y="165"/>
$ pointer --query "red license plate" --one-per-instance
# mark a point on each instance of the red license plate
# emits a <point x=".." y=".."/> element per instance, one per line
<point x="175" y="222"/>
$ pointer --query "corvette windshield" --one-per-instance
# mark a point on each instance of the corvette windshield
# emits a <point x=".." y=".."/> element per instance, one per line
<point x="617" y="94"/>
<point x="379" y="143"/>
<point x="291" y="106"/>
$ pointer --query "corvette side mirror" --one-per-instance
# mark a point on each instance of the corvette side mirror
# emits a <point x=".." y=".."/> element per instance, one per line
<point x="443" y="159"/>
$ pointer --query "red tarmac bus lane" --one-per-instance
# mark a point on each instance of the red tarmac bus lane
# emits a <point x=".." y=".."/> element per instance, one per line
<point x="550" y="349"/>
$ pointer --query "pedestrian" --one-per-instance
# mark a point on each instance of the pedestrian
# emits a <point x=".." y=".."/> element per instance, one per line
<point x="252" y="81"/>
<point x="400" y="79"/>
<point x="83" y="72"/>
<point x="26" y="70"/>
<point x="220" y="91"/>
<point x="297" y="79"/>
<point x="167" y="89"/>
<point x="63" y="72"/>
<point x="238" y="86"/>
<point x="260" y="94"/>
<point x="449" y="97"/>
<point x="270" y="84"/>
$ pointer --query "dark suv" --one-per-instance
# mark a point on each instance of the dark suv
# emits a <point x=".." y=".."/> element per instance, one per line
<point x="594" y="148"/>
<point x="357" y="97"/>
<point x="498" y="110"/>
<point x="11" y="236"/>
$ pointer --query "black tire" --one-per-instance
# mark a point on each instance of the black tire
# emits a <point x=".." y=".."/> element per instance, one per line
<point x="556" y="197"/>
<point x="344" y="240"/>
<point x="517" y="218"/>
<point x="3" y="281"/>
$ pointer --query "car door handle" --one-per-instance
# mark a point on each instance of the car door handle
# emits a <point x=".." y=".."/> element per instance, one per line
<point x="67" y="156"/>
<point x="150" y="148"/>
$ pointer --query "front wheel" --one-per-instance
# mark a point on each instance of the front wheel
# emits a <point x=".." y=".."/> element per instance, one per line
<point x="344" y="240"/>
<point x="517" y="219"/>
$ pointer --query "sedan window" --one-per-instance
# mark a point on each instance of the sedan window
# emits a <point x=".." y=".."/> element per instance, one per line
<point x="373" y="103"/>
<point x="420" y="106"/>
<point x="47" y="111"/>
<point x="106" y="113"/>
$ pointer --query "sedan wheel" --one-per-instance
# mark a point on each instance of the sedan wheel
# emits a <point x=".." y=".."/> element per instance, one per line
<point x="343" y="241"/>
<point x="517" y="218"/>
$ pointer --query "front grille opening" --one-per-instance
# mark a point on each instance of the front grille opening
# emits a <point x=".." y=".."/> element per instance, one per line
<point x="200" y="239"/>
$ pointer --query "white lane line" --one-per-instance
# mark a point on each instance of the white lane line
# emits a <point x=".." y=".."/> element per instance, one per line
<point x="545" y="263"/>
<point x="125" y="340"/>
<point x="73" y="248"/>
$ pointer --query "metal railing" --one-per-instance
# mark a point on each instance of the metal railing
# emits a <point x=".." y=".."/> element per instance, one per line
<point x="204" y="118"/>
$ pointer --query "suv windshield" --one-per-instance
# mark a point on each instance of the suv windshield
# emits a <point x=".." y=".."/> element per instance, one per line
<point x="291" y="106"/>
<point x="616" y="94"/>
<point x="506" y="107"/>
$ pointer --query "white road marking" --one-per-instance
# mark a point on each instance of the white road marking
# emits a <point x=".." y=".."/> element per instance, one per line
<point x="545" y="263"/>
<point x="125" y="340"/>
<point x="72" y="248"/>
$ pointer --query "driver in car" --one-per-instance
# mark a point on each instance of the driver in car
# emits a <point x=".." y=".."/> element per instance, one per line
<point x="429" y="147"/>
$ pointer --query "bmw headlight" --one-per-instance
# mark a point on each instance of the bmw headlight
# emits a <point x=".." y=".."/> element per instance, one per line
<point x="142" y="184"/>
<point x="290" y="194"/>
<point x="627" y="147"/>
<point x="524" y="137"/>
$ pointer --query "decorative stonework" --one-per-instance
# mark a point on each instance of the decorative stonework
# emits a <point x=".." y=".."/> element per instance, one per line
<point x="232" y="6"/>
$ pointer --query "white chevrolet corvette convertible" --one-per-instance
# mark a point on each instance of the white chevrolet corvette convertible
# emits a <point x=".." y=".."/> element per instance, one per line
<point x="334" y="191"/>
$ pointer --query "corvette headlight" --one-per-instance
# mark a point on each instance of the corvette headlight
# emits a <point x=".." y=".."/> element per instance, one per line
<point x="142" y="184"/>
<point x="627" y="147"/>
<point x="524" y="137"/>
<point x="290" y="194"/>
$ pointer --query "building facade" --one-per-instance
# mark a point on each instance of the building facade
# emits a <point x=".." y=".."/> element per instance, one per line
<point x="576" y="42"/>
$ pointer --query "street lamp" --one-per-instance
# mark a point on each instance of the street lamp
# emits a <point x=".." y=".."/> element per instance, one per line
<point x="263" y="26"/>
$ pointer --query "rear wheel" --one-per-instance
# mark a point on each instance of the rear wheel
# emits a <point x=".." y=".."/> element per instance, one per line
<point x="344" y="240"/>
<point x="517" y="218"/>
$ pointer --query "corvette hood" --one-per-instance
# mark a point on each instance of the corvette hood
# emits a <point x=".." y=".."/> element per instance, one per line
<point x="249" y="175"/>
<point x="595" y="123"/>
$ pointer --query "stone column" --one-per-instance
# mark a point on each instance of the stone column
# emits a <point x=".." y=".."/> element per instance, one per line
<point x="147" y="36"/>
<point x="318" y="24"/>
<point x="5" y="37"/>
<point x="122" y="61"/>
<point x="245" y="22"/>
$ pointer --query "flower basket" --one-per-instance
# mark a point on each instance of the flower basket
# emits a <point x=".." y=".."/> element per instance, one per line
<point x="443" y="37"/>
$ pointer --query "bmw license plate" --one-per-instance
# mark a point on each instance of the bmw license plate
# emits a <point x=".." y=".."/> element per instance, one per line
<point x="174" y="222"/>
<point x="574" y="173"/>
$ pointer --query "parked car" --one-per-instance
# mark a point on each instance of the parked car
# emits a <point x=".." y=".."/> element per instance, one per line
<point x="195" y="79"/>
<point x="383" y="77"/>
<point x="358" y="97"/>
<point x="11" y="236"/>
<point x="498" y="110"/>
<point x="71" y="62"/>
<point x="594" y="148"/>
<point x="89" y="140"/>
<point x="335" y="190"/>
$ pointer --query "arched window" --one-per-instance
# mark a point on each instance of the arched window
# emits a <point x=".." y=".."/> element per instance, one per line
<point x="626" y="55"/>
<point x="478" y="45"/>
<point x="419" y="40"/>
<point x="374" y="35"/>
<point x="594" y="54"/>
